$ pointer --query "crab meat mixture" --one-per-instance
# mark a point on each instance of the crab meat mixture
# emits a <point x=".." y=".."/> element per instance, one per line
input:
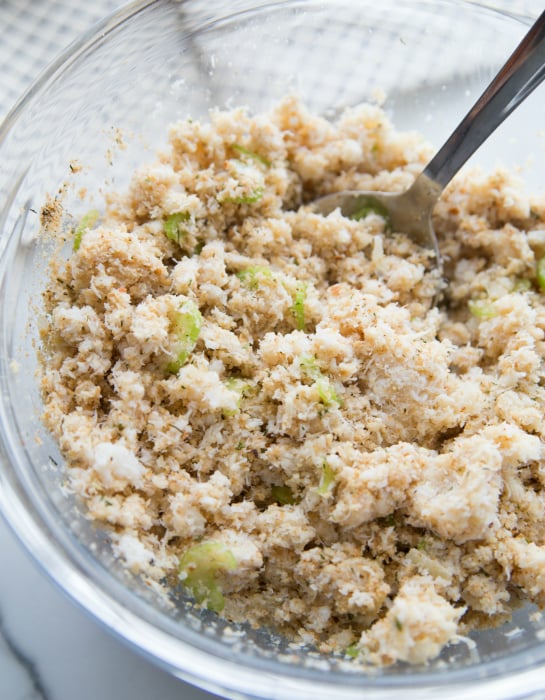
<point x="276" y="412"/>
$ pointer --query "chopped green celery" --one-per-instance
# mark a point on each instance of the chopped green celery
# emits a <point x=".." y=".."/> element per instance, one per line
<point x="241" y="387"/>
<point x="327" y="479"/>
<point x="371" y="205"/>
<point x="186" y="325"/>
<point x="482" y="308"/>
<point x="87" y="222"/>
<point x="250" y="275"/>
<point x="199" y="570"/>
<point x="283" y="495"/>
<point x="251" y="154"/>
<point x="540" y="272"/>
<point x="521" y="284"/>
<point x="309" y="365"/>
<point x="298" y="306"/>
<point x="326" y="392"/>
<point x="251" y="198"/>
<point x="198" y="248"/>
<point x="352" y="651"/>
<point x="171" y="225"/>
<point x="236" y="384"/>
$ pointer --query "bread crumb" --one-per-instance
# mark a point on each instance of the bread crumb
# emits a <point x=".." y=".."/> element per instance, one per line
<point x="222" y="364"/>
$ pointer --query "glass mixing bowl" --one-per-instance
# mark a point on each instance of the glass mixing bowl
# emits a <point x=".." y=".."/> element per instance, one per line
<point x="106" y="105"/>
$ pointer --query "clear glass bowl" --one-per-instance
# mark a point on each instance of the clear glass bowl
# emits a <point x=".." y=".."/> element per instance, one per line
<point x="146" y="66"/>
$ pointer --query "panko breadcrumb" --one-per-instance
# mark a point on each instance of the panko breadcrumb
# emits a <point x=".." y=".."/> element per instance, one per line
<point x="267" y="407"/>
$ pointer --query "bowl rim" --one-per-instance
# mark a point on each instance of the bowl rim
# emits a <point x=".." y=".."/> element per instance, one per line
<point x="56" y="552"/>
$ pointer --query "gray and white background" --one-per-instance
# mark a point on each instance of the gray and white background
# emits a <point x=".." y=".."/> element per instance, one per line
<point x="50" y="649"/>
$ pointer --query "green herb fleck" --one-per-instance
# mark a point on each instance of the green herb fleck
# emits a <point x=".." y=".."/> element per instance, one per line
<point x="186" y="325"/>
<point x="242" y="150"/>
<point x="398" y="624"/>
<point x="422" y="545"/>
<point x="240" y="445"/>
<point x="200" y="568"/>
<point x="172" y="225"/>
<point x="87" y="222"/>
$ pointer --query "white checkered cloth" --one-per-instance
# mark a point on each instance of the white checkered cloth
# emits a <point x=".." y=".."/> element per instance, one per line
<point x="34" y="32"/>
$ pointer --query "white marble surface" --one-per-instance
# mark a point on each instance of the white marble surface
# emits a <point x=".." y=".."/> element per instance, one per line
<point x="50" y="649"/>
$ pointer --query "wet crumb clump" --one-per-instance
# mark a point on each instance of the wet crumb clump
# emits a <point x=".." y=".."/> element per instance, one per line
<point x="265" y="403"/>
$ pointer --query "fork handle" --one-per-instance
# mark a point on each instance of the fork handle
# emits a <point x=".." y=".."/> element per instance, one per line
<point x="521" y="74"/>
